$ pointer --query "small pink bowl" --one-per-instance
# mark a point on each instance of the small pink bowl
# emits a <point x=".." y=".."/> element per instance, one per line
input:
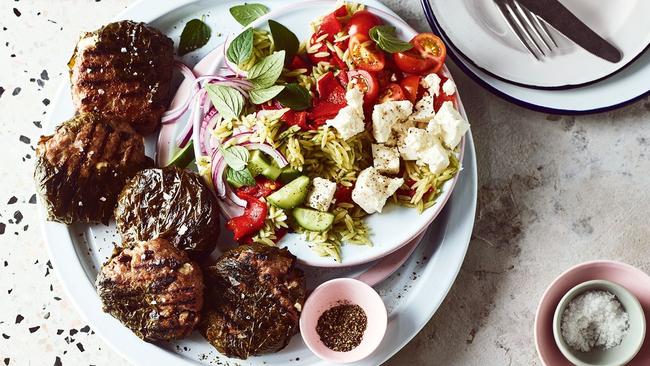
<point x="329" y="294"/>
<point x="633" y="279"/>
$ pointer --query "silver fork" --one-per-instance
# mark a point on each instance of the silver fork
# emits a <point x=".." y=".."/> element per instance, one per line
<point x="531" y="31"/>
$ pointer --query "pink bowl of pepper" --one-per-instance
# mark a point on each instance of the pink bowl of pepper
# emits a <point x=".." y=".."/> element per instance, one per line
<point x="343" y="320"/>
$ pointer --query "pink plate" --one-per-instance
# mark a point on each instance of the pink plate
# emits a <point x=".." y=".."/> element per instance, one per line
<point x="633" y="279"/>
<point x="330" y="294"/>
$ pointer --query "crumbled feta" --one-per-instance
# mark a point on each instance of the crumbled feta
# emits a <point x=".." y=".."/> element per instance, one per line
<point x="432" y="82"/>
<point x="436" y="157"/>
<point x="373" y="189"/>
<point x="321" y="195"/>
<point x="398" y="132"/>
<point x="449" y="87"/>
<point x="451" y="123"/>
<point x="349" y="121"/>
<point x="387" y="114"/>
<point x="424" y="110"/>
<point x="416" y="141"/>
<point x="385" y="159"/>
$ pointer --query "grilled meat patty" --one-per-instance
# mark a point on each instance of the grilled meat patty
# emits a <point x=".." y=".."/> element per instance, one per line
<point x="171" y="203"/>
<point x="123" y="70"/>
<point x="254" y="296"/>
<point x="81" y="169"/>
<point x="153" y="289"/>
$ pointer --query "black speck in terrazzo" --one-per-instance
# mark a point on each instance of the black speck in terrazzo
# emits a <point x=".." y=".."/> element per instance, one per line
<point x="7" y="359"/>
<point x="57" y="362"/>
<point x="46" y="101"/>
<point x="17" y="12"/>
<point x="6" y="263"/>
<point x="38" y="124"/>
<point x="46" y="315"/>
<point x="19" y="318"/>
<point x="2" y="228"/>
<point x="9" y="291"/>
<point x="44" y="75"/>
<point x="73" y="331"/>
<point x="5" y="336"/>
<point x="18" y="216"/>
<point x="57" y="298"/>
<point x="80" y="346"/>
<point x="16" y="91"/>
<point x="49" y="264"/>
<point x="2" y="91"/>
<point x="40" y="83"/>
<point x="32" y="199"/>
<point x="24" y="139"/>
<point x="85" y="329"/>
<point x="59" y="331"/>
<point x="33" y="329"/>
<point x="12" y="200"/>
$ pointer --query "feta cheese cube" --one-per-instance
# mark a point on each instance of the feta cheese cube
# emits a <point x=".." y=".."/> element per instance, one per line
<point x="449" y="87"/>
<point x="373" y="189"/>
<point x="385" y="159"/>
<point x="349" y="121"/>
<point x="436" y="157"/>
<point x="321" y="195"/>
<point x="398" y="132"/>
<point x="423" y="110"/>
<point x="432" y="82"/>
<point x="416" y="140"/>
<point x="387" y="114"/>
<point x="451" y="123"/>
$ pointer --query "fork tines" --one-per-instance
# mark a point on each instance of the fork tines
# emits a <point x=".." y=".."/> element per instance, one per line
<point x="531" y="31"/>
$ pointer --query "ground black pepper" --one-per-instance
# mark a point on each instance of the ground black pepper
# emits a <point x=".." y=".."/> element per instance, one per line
<point x="341" y="327"/>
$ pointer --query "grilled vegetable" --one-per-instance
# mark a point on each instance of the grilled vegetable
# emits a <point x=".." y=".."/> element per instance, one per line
<point x="153" y="289"/>
<point x="81" y="169"/>
<point x="123" y="70"/>
<point x="254" y="295"/>
<point x="171" y="203"/>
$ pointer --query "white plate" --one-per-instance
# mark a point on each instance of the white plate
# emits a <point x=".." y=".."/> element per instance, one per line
<point x="626" y="86"/>
<point x="480" y="33"/>
<point x="77" y="251"/>
<point x="383" y="235"/>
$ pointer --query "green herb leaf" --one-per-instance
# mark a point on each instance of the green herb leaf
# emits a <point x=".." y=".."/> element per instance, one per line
<point x="241" y="48"/>
<point x="236" y="157"/>
<point x="259" y="96"/>
<point x="387" y="40"/>
<point x="247" y="13"/>
<point x="240" y="177"/>
<point x="267" y="71"/>
<point x="194" y="36"/>
<point x="228" y="101"/>
<point x="284" y="39"/>
<point x="296" y="97"/>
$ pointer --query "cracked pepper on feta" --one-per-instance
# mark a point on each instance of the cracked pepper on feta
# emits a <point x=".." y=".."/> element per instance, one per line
<point x="321" y="195"/>
<point x="373" y="189"/>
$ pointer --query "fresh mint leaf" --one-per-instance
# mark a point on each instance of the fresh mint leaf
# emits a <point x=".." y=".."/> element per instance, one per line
<point x="284" y="39"/>
<point x="259" y="96"/>
<point x="267" y="71"/>
<point x="228" y="101"/>
<point x="236" y="157"/>
<point x="241" y="48"/>
<point x="240" y="178"/>
<point x="247" y="13"/>
<point x="194" y="36"/>
<point x="296" y="97"/>
<point x="387" y="40"/>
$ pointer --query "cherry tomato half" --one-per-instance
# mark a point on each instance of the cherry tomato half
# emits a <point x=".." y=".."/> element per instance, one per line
<point x="427" y="55"/>
<point x="411" y="85"/>
<point x="364" y="54"/>
<point x="361" y="22"/>
<point x="367" y="83"/>
<point x="392" y="92"/>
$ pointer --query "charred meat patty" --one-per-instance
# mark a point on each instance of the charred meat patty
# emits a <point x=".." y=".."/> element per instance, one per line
<point x="123" y="70"/>
<point x="254" y="295"/>
<point x="81" y="169"/>
<point x="153" y="289"/>
<point x="171" y="203"/>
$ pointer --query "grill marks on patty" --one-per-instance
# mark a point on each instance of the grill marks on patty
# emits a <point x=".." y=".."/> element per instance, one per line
<point x="124" y="70"/>
<point x="81" y="169"/>
<point x="160" y="304"/>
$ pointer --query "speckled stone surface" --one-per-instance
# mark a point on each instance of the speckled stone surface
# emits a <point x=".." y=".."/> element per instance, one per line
<point x="554" y="191"/>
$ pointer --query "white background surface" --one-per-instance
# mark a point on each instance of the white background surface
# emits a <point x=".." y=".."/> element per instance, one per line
<point x="554" y="191"/>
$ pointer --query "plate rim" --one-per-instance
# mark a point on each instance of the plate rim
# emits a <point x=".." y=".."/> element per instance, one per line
<point x="460" y="63"/>
<point x="568" y="86"/>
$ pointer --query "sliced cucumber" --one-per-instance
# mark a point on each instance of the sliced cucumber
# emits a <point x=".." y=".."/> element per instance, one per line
<point x="258" y="164"/>
<point x="312" y="220"/>
<point x="184" y="157"/>
<point x="288" y="174"/>
<point x="291" y="195"/>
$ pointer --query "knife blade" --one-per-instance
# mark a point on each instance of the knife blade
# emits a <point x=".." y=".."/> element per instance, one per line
<point x="565" y="22"/>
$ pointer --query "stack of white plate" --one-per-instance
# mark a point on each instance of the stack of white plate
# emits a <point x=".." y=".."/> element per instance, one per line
<point x="571" y="80"/>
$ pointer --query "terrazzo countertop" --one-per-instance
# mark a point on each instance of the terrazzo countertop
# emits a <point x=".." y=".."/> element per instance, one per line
<point x="553" y="192"/>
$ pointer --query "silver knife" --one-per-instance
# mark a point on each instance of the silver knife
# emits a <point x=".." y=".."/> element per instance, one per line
<point x="560" y="18"/>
